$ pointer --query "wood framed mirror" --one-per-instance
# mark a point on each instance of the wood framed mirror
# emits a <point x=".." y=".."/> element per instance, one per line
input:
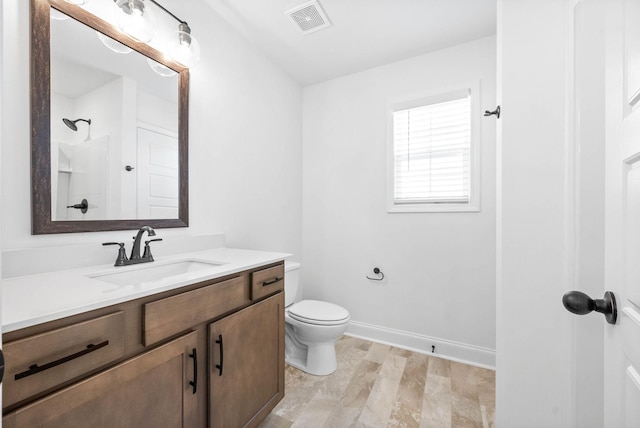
<point x="64" y="165"/>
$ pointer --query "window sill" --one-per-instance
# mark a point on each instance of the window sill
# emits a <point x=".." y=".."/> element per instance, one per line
<point x="432" y="208"/>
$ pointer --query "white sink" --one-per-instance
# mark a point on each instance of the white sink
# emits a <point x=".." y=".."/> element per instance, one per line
<point x="151" y="272"/>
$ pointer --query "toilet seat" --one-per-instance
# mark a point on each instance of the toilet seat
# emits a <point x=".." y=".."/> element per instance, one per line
<point x="318" y="313"/>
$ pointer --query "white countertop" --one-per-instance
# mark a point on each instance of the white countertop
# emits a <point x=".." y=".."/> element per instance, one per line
<point x="35" y="299"/>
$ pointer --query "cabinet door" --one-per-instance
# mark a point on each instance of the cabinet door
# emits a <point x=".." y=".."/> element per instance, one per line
<point x="246" y="364"/>
<point x="150" y="390"/>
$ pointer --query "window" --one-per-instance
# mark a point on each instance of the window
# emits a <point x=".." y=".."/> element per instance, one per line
<point x="431" y="154"/>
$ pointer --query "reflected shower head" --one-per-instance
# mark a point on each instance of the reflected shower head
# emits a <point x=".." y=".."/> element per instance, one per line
<point x="72" y="123"/>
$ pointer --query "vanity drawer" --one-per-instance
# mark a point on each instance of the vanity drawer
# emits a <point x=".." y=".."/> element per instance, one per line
<point x="267" y="281"/>
<point x="167" y="317"/>
<point x="37" y="363"/>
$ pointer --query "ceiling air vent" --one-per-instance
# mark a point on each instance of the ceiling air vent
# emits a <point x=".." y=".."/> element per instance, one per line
<point x="309" y="17"/>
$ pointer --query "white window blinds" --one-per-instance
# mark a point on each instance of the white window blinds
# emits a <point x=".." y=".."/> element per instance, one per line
<point x="431" y="148"/>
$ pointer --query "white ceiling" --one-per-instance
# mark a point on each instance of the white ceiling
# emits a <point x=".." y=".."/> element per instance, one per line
<point x="364" y="34"/>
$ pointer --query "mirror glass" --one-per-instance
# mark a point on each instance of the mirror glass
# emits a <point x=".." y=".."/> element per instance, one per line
<point x="114" y="130"/>
<point x="109" y="127"/>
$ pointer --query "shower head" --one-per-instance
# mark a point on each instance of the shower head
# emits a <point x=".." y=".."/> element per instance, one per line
<point x="72" y="123"/>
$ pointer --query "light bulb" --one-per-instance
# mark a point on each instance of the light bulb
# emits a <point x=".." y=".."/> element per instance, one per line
<point x="136" y="19"/>
<point x="112" y="44"/>
<point x="185" y="48"/>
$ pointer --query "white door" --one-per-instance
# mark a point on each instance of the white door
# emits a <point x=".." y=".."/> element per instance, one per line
<point x="157" y="174"/>
<point x="622" y="228"/>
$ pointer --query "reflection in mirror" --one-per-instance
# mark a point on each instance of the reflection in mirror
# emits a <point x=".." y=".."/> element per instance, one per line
<point x="114" y="130"/>
<point x="109" y="127"/>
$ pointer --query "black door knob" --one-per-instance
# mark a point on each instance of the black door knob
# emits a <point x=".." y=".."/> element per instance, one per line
<point x="581" y="304"/>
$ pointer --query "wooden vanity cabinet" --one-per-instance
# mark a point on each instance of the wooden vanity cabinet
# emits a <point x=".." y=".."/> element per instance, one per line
<point x="153" y="389"/>
<point x="151" y="352"/>
<point x="43" y="361"/>
<point x="246" y="364"/>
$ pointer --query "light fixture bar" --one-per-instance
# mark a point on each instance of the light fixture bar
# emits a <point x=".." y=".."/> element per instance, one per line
<point x="165" y="9"/>
<point x="185" y="49"/>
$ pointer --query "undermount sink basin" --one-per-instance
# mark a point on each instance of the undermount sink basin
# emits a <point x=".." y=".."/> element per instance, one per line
<point x="150" y="272"/>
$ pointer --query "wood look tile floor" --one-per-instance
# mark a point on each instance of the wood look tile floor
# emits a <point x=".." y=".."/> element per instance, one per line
<point x="377" y="385"/>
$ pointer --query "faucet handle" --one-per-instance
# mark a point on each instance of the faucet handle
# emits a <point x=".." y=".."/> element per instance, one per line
<point x="122" y="254"/>
<point x="147" y="249"/>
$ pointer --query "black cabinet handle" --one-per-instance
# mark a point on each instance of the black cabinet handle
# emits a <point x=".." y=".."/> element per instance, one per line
<point x="273" y="281"/>
<point x="194" y="382"/>
<point x="37" y="369"/>
<point x="1" y="365"/>
<point x="221" y="365"/>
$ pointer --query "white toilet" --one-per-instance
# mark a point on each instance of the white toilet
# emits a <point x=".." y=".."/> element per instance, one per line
<point x="311" y="328"/>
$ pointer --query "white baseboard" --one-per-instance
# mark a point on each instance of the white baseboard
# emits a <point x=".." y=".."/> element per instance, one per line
<point x="450" y="350"/>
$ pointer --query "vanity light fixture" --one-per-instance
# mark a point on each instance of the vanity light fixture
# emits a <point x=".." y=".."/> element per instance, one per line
<point x="136" y="19"/>
<point x="185" y="49"/>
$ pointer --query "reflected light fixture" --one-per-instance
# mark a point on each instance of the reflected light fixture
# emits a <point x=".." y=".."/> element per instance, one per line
<point x="161" y="69"/>
<point x="136" y="19"/>
<point x="112" y="44"/>
<point x="59" y="16"/>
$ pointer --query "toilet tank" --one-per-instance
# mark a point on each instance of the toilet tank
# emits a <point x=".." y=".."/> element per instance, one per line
<point x="291" y="282"/>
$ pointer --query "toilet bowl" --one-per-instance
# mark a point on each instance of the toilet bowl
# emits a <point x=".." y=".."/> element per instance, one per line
<point x="311" y="328"/>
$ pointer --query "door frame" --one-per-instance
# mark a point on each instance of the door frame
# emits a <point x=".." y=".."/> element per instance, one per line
<point x="538" y="209"/>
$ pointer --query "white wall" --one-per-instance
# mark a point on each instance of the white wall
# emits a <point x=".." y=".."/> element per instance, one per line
<point x="440" y="267"/>
<point x="245" y="140"/>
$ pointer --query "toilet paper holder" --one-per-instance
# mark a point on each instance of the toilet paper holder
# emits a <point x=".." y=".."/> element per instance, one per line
<point x="377" y="271"/>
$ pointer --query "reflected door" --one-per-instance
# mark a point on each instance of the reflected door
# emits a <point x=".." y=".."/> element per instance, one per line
<point x="157" y="174"/>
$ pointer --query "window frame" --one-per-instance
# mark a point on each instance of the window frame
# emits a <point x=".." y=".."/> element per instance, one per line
<point x="434" y="97"/>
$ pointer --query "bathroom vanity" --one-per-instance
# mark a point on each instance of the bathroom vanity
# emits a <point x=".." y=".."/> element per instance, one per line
<point x="201" y="343"/>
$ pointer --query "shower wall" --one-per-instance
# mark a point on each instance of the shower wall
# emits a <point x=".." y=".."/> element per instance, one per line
<point x="87" y="158"/>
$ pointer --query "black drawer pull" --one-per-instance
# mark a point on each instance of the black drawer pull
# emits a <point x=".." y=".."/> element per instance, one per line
<point x="37" y="369"/>
<point x="273" y="281"/>
<point x="221" y="365"/>
<point x="194" y="382"/>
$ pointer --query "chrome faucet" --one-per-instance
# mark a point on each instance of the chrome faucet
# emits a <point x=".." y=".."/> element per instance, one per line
<point x="135" y="251"/>
<point x="135" y="258"/>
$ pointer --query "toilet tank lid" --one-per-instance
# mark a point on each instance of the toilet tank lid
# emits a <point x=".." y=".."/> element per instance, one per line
<point x="291" y="265"/>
